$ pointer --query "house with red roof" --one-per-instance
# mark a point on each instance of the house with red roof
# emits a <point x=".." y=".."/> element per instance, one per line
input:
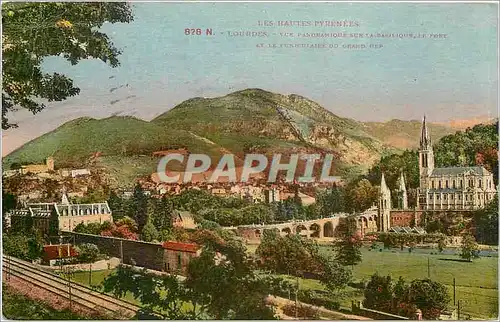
<point x="177" y="256"/>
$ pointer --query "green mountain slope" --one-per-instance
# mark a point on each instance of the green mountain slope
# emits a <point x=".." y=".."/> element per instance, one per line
<point x="257" y="120"/>
<point x="74" y="142"/>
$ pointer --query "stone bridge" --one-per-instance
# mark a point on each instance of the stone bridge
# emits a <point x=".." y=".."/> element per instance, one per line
<point x="323" y="228"/>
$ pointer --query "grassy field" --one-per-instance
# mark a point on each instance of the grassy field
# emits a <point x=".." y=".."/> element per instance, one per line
<point x="97" y="279"/>
<point x="477" y="284"/>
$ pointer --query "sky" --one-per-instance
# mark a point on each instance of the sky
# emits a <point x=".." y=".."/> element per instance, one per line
<point x="446" y="79"/>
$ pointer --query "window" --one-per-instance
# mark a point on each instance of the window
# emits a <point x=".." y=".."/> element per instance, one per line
<point x="451" y="197"/>
<point x="432" y="183"/>
<point x="461" y="184"/>
<point x="179" y="260"/>
<point x="480" y="183"/>
<point x="437" y="197"/>
<point x="439" y="184"/>
<point x="454" y="186"/>
<point x="459" y="197"/>
<point x="447" y="184"/>
<point x="445" y="196"/>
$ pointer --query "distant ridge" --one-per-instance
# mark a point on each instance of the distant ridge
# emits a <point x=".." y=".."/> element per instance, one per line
<point x="247" y="121"/>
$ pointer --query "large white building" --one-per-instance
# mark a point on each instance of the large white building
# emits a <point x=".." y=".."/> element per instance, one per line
<point x="68" y="215"/>
<point x="450" y="188"/>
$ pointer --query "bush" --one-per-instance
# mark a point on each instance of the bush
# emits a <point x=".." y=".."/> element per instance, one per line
<point x="87" y="253"/>
<point x="318" y="298"/>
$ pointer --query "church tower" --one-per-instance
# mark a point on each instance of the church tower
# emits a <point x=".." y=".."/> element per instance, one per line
<point x="402" y="194"/>
<point x="425" y="156"/>
<point x="384" y="206"/>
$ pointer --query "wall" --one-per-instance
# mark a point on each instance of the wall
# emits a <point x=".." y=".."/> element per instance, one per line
<point x="149" y="255"/>
<point x="357" y="308"/>
<point x="171" y="261"/>
<point x="405" y="218"/>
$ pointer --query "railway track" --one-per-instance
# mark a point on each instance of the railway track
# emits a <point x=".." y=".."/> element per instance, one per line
<point x="75" y="293"/>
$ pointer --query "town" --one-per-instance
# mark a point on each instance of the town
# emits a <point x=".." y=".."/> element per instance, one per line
<point x="162" y="226"/>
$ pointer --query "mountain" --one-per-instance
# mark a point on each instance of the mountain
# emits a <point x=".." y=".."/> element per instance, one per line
<point x="261" y="121"/>
<point x="248" y="121"/>
<point x="405" y="134"/>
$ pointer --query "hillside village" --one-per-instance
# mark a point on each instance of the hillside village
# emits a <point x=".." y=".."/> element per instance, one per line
<point x="172" y="219"/>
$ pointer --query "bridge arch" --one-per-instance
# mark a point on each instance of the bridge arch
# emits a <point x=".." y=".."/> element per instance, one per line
<point x="315" y="231"/>
<point x="328" y="229"/>
<point x="300" y="228"/>
<point x="286" y="231"/>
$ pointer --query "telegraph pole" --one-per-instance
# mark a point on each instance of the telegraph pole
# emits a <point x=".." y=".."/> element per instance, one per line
<point x="90" y="275"/>
<point x="297" y="300"/>
<point x="458" y="310"/>
<point x="121" y="251"/>
<point x="454" y="292"/>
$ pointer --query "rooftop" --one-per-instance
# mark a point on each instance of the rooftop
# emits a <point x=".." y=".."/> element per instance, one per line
<point x="181" y="247"/>
<point x="459" y="170"/>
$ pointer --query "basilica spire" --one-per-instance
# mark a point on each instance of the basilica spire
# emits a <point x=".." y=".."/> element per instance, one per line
<point x="402" y="194"/>
<point x="383" y="184"/>
<point x="401" y="181"/>
<point x="425" y="139"/>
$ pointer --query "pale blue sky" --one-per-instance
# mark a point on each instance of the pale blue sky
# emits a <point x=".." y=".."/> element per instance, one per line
<point x="453" y="78"/>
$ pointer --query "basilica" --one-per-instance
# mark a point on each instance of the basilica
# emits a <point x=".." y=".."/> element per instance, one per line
<point x="450" y="188"/>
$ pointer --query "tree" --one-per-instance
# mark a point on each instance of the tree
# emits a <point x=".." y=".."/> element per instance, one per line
<point x="225" y="283"/>
<point x="162" y="215"/>
<point x="33" y="31"/>
<point x="123" y="228"/>
<point x="486" y="223"/>
<point x="149" y="232"/>
<point x="348" y="246"/>
<point x="294" y="255"/>
<point x="94" y="228"/>
<point x="285" y="254"/>
<point x="87" y="253"/>
<point x="118" y="206"/>
<point x="441" y="244"/>
<point x="9" y="202"/>
<point x="429" y="296"/>
<point x="360" y="196"/>
<point x="378" y="293"/>
<point x="334" y="276"/>
<point x="139" y="207"/>
<point x="470" y="248"/>
<point x="400" y="298"/>
<point x="165" y="294"/>
<point x="331" y="201"/>
<point x="23" y="247"/>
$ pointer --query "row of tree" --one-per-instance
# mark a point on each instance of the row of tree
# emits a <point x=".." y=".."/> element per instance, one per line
<point x="383" y="294"/>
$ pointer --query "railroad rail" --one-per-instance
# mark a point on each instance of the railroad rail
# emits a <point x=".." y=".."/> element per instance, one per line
<point x="75" y="293"/>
